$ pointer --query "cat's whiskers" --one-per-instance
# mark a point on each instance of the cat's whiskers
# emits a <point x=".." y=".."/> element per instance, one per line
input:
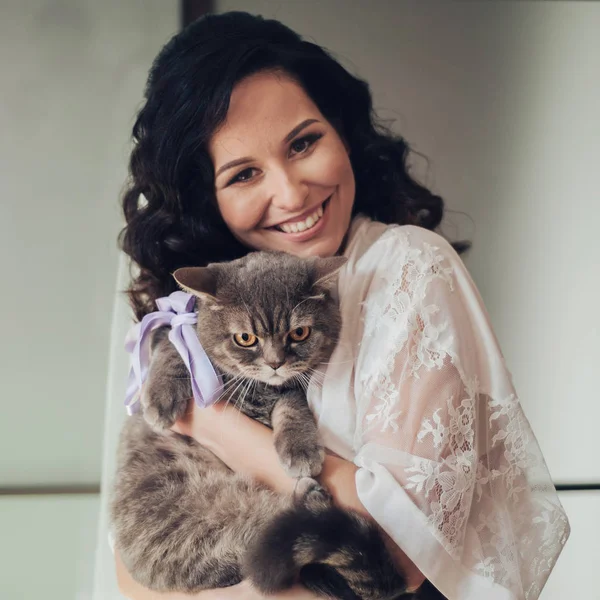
<point x="336" y="362"/>
<point x="254" y="373"/>
<point x="307" y="368"/>
<point x="303" y="379"/>
<point x="314" y="381"/>
<point x="240" y="405"/>
<point x="233" y="393"/>
<point x="239" y="397"/>
<point x="254" y="387"/>
<point x="239" y="381"/>
<point x="303" y="368"/>
<point x="226" y="387"/>
<point x="298" y="378"/>
<point x="320" y="377"/>
<point x="245" y="393"/>
<point x="230" y="382"/>
<point x="313" y="375"/>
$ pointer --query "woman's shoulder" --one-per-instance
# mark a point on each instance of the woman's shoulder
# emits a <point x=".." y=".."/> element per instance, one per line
<point x="396" y="244"/>
<point x="414" y="237"/>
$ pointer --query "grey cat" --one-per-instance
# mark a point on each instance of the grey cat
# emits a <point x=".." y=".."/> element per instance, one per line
<point x="182" y="519"/>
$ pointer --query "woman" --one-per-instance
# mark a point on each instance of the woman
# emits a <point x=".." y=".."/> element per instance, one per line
<point x="252" y="138"/>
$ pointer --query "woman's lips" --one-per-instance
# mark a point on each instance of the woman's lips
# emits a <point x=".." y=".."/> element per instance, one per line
<point x="307" y="234"/>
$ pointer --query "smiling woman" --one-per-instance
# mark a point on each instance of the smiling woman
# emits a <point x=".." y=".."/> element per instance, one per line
<point x="294" y="188"/>
<point x="252" y="138"/>
<point x="267" y="132"/>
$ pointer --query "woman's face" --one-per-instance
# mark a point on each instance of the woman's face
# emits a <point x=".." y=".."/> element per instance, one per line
<point x="283" y="178"/>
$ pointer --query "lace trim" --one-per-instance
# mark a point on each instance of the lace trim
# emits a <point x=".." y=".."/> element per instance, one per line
<point x="449" y="484"/>
<point x="399" y="315"/>
<point x="402" y="320"/>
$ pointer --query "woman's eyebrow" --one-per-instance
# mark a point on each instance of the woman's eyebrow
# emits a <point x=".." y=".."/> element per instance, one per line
<point x="289" y="137"/>
<point x="294" y="132"/>
<point x="234" y="163"/>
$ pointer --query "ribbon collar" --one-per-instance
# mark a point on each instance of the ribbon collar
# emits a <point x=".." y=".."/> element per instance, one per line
<point x="177" y="311"/>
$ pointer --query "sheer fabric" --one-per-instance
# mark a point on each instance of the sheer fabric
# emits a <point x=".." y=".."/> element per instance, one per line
<point x="418" y="395"/>
<point x="105" y="579"/>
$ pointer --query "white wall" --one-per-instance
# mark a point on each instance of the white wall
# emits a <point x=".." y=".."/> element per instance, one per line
<point x="47" y="545"/>
<point x="73" y="73"/>
<point x="502" y="97"/>
<point x="72" y="77"/>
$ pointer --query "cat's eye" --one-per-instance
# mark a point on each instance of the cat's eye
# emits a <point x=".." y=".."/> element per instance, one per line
<point x="299" y="334"/>
<point x="245" y="340"/>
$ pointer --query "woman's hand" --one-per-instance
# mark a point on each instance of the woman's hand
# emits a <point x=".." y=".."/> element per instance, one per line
<point x="243" y="444"/>
<point x="246" y="446"/>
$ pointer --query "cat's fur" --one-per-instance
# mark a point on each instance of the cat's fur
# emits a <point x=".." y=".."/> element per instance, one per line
<point x="183" y="520"/>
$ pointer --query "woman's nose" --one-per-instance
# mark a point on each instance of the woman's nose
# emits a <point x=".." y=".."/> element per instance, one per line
<point x="289" y="193"/>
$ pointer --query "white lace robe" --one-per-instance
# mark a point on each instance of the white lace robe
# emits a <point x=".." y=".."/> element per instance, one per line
<point x="418" y="396"/>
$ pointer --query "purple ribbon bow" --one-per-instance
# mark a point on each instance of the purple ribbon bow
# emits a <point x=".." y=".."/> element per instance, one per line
<point x="175" y="310"/>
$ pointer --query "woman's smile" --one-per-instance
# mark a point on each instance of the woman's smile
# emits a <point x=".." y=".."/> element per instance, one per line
<point x="306" y="226"/>
<point x="294" y="188"/>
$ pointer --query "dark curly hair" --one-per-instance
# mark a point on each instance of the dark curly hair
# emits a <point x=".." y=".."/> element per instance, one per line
<point x="169" y="204"/>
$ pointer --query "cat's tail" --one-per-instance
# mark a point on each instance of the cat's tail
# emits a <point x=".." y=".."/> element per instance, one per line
<point x="333" y="552"/>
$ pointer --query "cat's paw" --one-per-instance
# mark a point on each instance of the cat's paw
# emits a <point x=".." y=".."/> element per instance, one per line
<point x="309" y="493"/>
<point x="161" y="408"/>
<point x="299" y="457"/>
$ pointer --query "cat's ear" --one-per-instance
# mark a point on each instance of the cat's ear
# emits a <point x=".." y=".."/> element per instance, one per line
<point x="326" y="270"/>
<point x="199" y="281"/>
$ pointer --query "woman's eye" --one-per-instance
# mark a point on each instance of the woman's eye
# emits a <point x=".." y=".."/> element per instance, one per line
<point x="242" y="176"/>
<point x="303" y="144"/>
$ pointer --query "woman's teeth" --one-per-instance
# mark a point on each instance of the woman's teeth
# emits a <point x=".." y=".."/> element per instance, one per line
<point x="299" y="226"/>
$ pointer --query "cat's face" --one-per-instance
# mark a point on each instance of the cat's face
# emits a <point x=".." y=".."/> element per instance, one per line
<point x="269" y="317"/>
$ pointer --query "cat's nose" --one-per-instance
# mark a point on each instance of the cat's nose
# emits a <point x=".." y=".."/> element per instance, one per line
<point x="275" y="364"/>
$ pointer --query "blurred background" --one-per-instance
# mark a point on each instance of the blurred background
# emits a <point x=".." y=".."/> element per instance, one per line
<point x="503" y="98"/>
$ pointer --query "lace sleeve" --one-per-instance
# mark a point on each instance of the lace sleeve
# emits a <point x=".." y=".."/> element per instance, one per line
<point x="449" y="464"/>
